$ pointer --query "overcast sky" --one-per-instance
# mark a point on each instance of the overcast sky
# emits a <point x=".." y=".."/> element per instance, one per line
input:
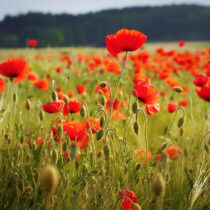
<point x="14" y="7"/>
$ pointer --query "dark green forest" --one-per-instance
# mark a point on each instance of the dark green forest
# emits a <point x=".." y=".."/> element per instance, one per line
<point x="167" y="23"/>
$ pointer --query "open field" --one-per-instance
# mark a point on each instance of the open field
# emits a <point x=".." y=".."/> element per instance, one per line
<point x="85" y="155"/>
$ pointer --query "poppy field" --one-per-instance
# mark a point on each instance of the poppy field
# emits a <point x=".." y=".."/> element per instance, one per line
<point x="124" y="127"/>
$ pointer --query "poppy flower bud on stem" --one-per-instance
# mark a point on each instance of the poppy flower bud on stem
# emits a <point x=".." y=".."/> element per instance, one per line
<point x="136" y="127"/>
<point x="54" y="96"/>
<point x="180" y="122"/>
<point x="178" y="89"/>
<point x="99" y="134"/>
<point x="82" y="112"/>
<point x="28" y="104"/>
<point x="103" y="84"/>
<point x="102" y="121"/>
<point x="134" y="107"/>
<point x="49" y="179"/>
<point x="107" y="151"/>
<point x="158" y="185"/>
<point x="66" y="99"/>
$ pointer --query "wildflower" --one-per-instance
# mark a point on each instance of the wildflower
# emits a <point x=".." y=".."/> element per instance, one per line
<point x="53" y="107"/>
<point x="181" y="43"/>
<point x="171" y="107"/>
<point x="32" y="43"/>
<point x="71" y="107"/>
<point x="15" y="68"/>
<point x="173" y="152"/>
<point x="124" y="40"/>
<point x="140" y="154"/>
<point x="126" y="204"/>
<point x="42" y="84"/>
<point x="204" y="91"/>
<point x="81" y="89"/>
<point x="200" y="80"/>
<point x="147" y="94"/>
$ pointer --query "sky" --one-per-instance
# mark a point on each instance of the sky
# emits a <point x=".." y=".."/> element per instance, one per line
<point x="15" y="7"/>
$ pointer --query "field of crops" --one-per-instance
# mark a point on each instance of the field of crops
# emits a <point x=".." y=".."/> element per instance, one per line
<point x="83" y="129"/>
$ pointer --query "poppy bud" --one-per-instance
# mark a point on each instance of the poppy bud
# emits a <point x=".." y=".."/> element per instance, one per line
<point x="180" y="122"/>
<point x="28" y="104"/>
<point x="106" y="151"/>
<point x="55" y="156"/>
<point x="102" y="121"/>
<point x="134" y="107"/>
<point x="74" y="151"/>
<point x="49" y="178"/>
<point x="66" y="99"/>
<point x="103" y="84"/>
<point x="54" y="96"/>
<point x="103" y="101"/>
<point x="178" y="89"/>
<point x="21" y="139"/>
<point x="136" y="127"/>
<point x="82" y="112"/>
<point x="14" y="97"/>
<point x="99" y="134"/>
<point x="158" y="185"/>
<point x="138" y="166"/>
<point x="41" y="115"/>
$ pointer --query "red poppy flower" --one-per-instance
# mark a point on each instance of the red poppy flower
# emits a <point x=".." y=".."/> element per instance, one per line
<point x="173" y="152"/>
<point x="147" y="94"/>
<point x="140" y="155"/>
<point x="53" y="107"/>
<point x="183" y="102"/>
<point x="126" y="204"/>
<point x="42" y="84"/>
<point x="181" y="43"/>
<point x="112" y="67"/>
<point x="116" y="104"/>
<point x="32" y="43"/>
<point x="15" y="68"/>
<point x="200" y="80"/>
<point x="33" y="77"/>
<point x="204" y="92"/>
<point x="2" y="85"/>
<point x="124" y="40"/>
<point x="75" y="131"/>
<point x="158" y="158"/>
<point x="95" y="126"/>
<point x="171" y="107"/>
<point x="81" y="89"/>
<point x="71" y="93"/>
<point x="71" y="107"/>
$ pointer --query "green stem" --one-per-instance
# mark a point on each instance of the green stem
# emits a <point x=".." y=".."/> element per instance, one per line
<point x="115" y="92"/>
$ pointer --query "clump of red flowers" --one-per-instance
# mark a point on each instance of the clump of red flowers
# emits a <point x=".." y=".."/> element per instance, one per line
<point x="173" y="152"/>
<point x="42" y="84"/>
<point x="71" y="107"/>
<point x="124" y="40"/>
<point x="126" y="196"/>
<point x="147" y="94"/>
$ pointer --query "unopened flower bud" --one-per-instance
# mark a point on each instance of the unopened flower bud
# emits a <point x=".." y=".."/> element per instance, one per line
<point x="136" y="127"/>
<point x="99" y="134"/>
<point x="82" y="112"/>
<point x="178" y="89"/>
<point x="54" y="96"/>
<point x="28" y="104"/>
<point x="49" y="178"/>
<point x="102" y="121"/>
<point x="134" y="107"/>
<point x="66" y="99"/>
<point x="107" y="151"/>
<point x="41" y="115"/>
<point x="180" y="122"/>
<point x="158" y="185"/>
<point x="103" y="84"/>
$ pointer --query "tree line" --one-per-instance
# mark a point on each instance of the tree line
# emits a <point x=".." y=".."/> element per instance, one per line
<point x="166" y="23"/>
